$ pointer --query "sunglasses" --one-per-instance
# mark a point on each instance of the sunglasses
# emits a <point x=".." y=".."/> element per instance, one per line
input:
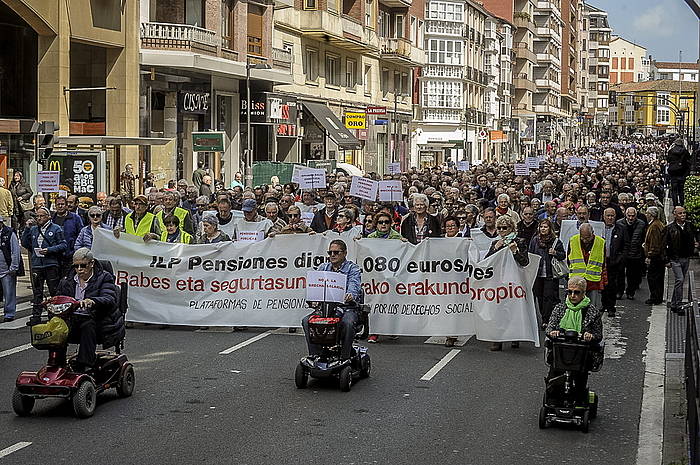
<point x="95" y="215"/>
<point x="80" y="266"/>
<point x="334" y="252"/>
<point x="503" y="228"/>
<point x="575" y="292"/>
<point x="384" y="222"/>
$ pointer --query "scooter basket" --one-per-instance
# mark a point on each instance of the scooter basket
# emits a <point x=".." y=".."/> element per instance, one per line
<point x="323" y="331"/>
<point x="50" y="335"/>
<point x="571" y="356"/>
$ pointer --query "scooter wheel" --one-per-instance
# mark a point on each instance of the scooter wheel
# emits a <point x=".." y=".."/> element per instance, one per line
<point x="594" y="407"/>
<point x="85" y="400"/>
<point x="301" y="377"/>
<point x="21" y="404"/>
<point x="126" y="383"/>
<point x="585" y="421"/>
<point x="543" y="418"/>
<point x="345" y="379"/>
<point x="365" y="366"/>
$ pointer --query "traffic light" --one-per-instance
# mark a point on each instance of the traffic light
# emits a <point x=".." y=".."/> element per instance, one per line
<point x="45" y="140"/>
<point x="613" y="98"/>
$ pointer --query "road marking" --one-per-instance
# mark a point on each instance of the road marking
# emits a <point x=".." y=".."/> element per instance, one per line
<point x="245" y="343"/>
<point x="440" y="365"/>
<point x="14" y="448"/>
<point x="17" y="324"/>
<point x="14" y="350"/>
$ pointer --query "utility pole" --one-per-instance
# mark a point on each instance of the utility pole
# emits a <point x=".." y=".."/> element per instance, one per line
<point x="695" y="6"/>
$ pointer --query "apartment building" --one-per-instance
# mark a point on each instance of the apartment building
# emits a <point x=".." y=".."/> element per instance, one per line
<point x="73" y="62"/>
<point x="627" y="61"/>
<point x="599" y="34"/>
<point x="353" y="56"/>
<point x="569" y="104"/>
<point x="524" y="75"/>
<point x="585" y="118"/>
<point x="450" y="120"/>
<point x="675" y="71"/>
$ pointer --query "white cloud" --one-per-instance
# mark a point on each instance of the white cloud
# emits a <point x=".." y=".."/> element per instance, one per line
<point x="655" y="21"/>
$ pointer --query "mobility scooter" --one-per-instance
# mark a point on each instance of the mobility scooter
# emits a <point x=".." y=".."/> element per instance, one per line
<point x="57" y="379"/>
<point x="324" y="330"/>
<point x="571" y="358"/>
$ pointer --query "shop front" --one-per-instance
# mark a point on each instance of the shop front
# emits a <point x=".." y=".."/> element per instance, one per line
<point x="324" y="136"/>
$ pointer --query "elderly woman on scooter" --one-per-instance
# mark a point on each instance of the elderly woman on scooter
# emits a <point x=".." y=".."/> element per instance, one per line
<point x="98" y="317"/>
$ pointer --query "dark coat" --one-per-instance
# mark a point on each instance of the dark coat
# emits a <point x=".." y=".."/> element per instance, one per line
<point x="527" y="232"/>
<point x="53" y="241"/>
<point x="71" y="229"/>
<point x="598" y="210"/>
<point x="678" y="160"/>
<point x="101" y="289"/>
<point x="521" y="256"/>
<point x="488" y="193"/>
<point x="318" y="223"/>
<point x="634" y="238"/>
<point x="617" y="246"/>
<point x="679" y="243"/>
<point x="408" y="227"/>
<point x="545" y="257"/>
<point x="591" y="323"/>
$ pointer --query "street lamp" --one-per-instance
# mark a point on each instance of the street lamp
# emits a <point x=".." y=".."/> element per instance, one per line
<point x="249" y="136"/>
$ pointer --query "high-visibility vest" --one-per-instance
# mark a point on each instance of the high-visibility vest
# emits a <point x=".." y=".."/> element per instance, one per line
<point x="593" y="270"/>
<point x="144" y="226"/>
<point x="181" y="214"/>
<point x="184" y="237"/>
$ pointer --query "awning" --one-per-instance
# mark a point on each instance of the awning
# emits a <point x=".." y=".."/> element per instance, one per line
<point x="111" y="140"/>
<point x="333" y="126"/>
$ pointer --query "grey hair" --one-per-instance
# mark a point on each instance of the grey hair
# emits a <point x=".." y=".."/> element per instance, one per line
<point x="174" y="194"/>
<point x="587" y="227"/>
<point x="83" y="253"/>
<point x="349" y="214"/>
<point x="94" y="209"/>
<point x="653" y="211"/>
<point x="211" y="219"/>
<point x="579" y="282"/>
<point x="203" y="198"/>
<point x="273" y="204"/>
<point x="503" y="196"/>
<point x="421" y="197"/>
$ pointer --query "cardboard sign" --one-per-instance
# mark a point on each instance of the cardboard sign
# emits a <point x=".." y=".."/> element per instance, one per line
<point x="307" y="218"/>
<point x="532" y="162"/>
<point x="295" y="172"/>
<point x="390" y="191"/>
<point x="559" y="160"/>
<point x="363" y="188"/>
<point x="250" y="236"/>
<point x="575" y="161"/>
<point x="312" y="178"/>
<point x="463" y="165"/>
<point x="48" y="181"/>
<point x="521" y="169"/>
<point x="592" y="163"/>
<point x="394" y="168"/>
<point x="325" y="286"/>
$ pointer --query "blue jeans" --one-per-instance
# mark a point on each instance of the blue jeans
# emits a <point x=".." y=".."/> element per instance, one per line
<point x="9" y="291"/>
<point x="680" y="270"/>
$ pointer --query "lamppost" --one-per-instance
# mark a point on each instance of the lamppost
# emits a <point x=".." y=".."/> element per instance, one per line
<point x="249" y="136"/>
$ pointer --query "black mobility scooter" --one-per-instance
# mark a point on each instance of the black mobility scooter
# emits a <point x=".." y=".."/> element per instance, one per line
<point x="324" y="331"/>
<point x="567" y="398"/>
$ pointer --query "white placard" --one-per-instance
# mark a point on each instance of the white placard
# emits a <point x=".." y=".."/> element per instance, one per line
<point x="390" y="191"/>
<point x="591" y="149"/>
<point x="312" y="178"/>
<point x="394" y="168"/>
<point x="521" y="169"/>
<point x="48" y="181"/>
<point x="569" y="228"/>
<point x="295" y="172"/>
<point x="559" y="160"/>
<point x="463" y="165"/>
<point x="532" y="162"/>
<point x="307" y="218"/>
<point x="325" y="286"/>
<point x="592" y="163"/>
<point x="250" y="236"/>
<point x="575" y="161"/>
<point x="363" y="188"/>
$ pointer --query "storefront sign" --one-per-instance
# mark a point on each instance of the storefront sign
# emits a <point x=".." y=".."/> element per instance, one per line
<point x="355" y="120"/>
<point x="193" y="102"/>
<point x="381" y="122"/>
<point x="286" y="130"/>
<point x="81" y="173"/>
<point x="208" y="142"/>
<point x="270" y="108"/>
<point x="376" y="110"/>
<point x="328" y="165"/>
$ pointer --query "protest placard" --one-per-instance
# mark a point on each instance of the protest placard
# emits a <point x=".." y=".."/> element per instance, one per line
<point x="521" y="169"/>
<point x="393" y="168"/>
<point x="532" y="162"/>
<point x="47" y="181"/>
<point x="312" y="178"/>
<point x="250" y="236"/>
<point x="592" y="163"/>
<point x="363" y="188"/>
<point x="463" y="165"/>
<point x="575" y="161"/>
<point x="390" y="191"/>
<point x="325" y="286"/>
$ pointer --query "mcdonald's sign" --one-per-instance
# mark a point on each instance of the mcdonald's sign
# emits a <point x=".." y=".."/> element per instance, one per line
<point x="78" y="173"/>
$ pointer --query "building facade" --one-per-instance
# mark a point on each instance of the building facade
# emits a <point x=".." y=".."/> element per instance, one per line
<point x="599" y="34"/>
<point x="627" y="62"/>
<point x="678" y="71"/>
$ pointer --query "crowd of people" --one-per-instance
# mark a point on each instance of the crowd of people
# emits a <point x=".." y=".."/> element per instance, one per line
<point x="617" y="204"/>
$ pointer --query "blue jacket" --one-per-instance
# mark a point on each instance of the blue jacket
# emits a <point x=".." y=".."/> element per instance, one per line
<point x="85" y="237"/>
<point x="71" y="229"/>
<point x="53" y="241"/>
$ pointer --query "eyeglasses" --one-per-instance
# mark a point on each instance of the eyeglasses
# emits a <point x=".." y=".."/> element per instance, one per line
<point x="573" y="292"/>
<point x="503" y="228"/>
<point x="95" y="215"/>
<point x="80" y="266"/>
<point x="294" y="215"/>
<point x="460" y="218"/>
<point x="334" y="252"/>
<point x="384" y="222"/>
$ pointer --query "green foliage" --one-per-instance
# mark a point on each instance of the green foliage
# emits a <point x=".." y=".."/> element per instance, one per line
<point x="692" y="199"/>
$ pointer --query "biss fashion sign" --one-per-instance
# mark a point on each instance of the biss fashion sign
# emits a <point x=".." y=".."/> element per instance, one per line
<point x="432" y="289"/>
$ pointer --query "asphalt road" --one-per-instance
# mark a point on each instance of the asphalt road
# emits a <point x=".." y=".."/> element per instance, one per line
<point x="193" y="405"/>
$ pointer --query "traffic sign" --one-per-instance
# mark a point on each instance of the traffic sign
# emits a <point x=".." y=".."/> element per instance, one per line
<point x="483" y="134"/>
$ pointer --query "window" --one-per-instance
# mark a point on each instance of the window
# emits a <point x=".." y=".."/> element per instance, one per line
<point x="384" y="24"/>
<point x="405" y="84"/>
<point x="332" y="70"/>
<point x="310" y="5"/>
<point x="662" y="99"/>
<point x="446" y="11"/>
<point x="414" y="31"/>
<point x="351" y="74"/>
<point x="663" y="116"/>
<point x="442" y="94"/>
<point x="448" y="52"/>
<point x="368" y="79"/>
<point x="227" y="24"/>
<point x="397" y="84"/>
<point x="369" y="13"/>
<point x="311" y="64"/>
<point x="399" y="30"/>
<point x="630" y="63"/>
<point x="384" y="83"/>
<point x="255" y="29"/>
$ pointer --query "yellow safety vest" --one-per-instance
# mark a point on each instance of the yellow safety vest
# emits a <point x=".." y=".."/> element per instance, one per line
<point x="184" y="237"/>
<point x="593" y="271"/>
<point x="144" y="226"/>
<point x="181" y="214"/>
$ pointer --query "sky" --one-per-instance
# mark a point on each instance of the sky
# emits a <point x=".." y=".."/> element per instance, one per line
<point x="662" y="26"/>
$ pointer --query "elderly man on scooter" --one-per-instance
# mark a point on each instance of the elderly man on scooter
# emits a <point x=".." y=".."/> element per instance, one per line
<point x="337" y="253"/>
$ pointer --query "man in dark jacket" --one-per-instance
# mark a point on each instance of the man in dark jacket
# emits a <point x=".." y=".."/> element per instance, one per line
<point x="484" y="191"/>
<point x="680" y="241"/>
<point x="527" y="226"/>
<point x="99" y="317"/>
<point x="678" y="160"/>
<point x="632" y="254"/>
<point x="71" y="225"/>
<point x="614" y="244"/>
<point x="46" y="245"/>
<point x="598" y="210"/>
<point x="324" y="219"/>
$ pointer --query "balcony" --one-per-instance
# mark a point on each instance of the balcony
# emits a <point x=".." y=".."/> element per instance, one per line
<point x="339" y="31"/>
<point x="397" y="3"/>
<point x="282" y="58"/>
<point x="548" y="32"/>
<point x="522" y="81"/>
<point x="443" y="71"/>
<point x="166" y="36"/>
<point x="523" y="22"/>
<point x="549" y="58"/>
<point x="401" y="51"/>
<point x="547" y="84"/>
<point x="447" y="28"/>
<point x="522" y="51"/>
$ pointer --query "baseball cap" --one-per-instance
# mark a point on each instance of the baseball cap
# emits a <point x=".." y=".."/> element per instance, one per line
<point x="141" y="198"/>
<point x="249" y="205"/>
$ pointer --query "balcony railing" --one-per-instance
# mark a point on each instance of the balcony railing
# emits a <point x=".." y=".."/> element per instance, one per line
<point x="166" y="36"/>
<point x="282" y="57"/>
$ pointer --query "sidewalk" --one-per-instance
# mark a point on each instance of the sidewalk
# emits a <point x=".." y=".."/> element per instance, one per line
<point x="24" y="288"/>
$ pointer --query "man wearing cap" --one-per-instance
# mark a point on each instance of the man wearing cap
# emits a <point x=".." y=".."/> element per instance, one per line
<point x="650" y="201"/>
<point x="46" y="245"/>
<point x="251" y="221"/>
<point x="678" y="161"/>
<point x="9" y="267"/>
<point x="141" y="222"/>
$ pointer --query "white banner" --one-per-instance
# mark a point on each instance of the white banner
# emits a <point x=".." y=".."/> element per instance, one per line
<point x="432" y="289"/>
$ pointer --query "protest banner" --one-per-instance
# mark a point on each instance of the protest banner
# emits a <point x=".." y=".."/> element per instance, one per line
<point x="390" y="191"/>
<point x="592" y="163"/>
<point x="432" y="289"/>
<point x="463" y="165"/>
<point x="521" y="169"/>
<point x="363" y="188"/>
<point x="312" y="178"/>
<point x="570" y="227"/>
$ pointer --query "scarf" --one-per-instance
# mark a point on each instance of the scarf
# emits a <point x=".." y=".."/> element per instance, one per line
<point x="502" y="211"/>
<point x="572" y="319"/>
<point x="545" y="242"/>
